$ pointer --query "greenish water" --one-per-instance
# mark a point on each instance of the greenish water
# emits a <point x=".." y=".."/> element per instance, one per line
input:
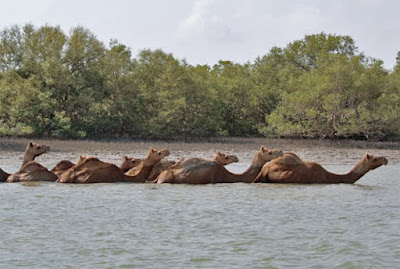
<point x="50" y="225"/>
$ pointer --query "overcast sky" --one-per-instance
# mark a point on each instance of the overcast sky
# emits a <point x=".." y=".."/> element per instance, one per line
<point x="205" y="31"/>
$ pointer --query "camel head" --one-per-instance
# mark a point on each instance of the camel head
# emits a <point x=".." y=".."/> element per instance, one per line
<point x="225" y="159"/>
<point x="63" y="165"/>
<point x="370" y="162"/>
<point x="155" y="155"/>
<point x="34" y="149"/>
<point x="128" y="163"/>
<point x="265" y="154"/>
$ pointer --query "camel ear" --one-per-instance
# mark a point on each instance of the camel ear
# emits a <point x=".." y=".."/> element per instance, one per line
<point x="219" y="152"/>
<point x="263" y="148"/>
<point x="369" y="157"/>
<point x="125" y="157"/>
<point x="30" y="144"/>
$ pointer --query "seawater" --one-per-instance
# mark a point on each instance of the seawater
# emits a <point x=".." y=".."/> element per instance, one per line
<point x="51" y="225"/>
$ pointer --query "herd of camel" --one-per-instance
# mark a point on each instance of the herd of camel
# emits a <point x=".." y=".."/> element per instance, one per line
<point x="268" y="166"/>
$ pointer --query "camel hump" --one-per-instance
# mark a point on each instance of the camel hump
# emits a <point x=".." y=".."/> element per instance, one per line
<point x="32" y="166"/>
<point x="88" y="160"/>
<point x="187" y="162"/>
<point x="289" y="158"/>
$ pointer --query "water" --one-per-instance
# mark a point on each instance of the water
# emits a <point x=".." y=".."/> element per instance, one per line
<point x="51" y="225"/>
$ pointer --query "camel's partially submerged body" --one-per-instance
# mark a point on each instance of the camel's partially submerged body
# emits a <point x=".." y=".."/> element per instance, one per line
<point x="31" y="170"/>
<point x="92" y="170"/>
<point x="205" y="172"/>
<point x="159" y="168"/>
<point x="220" y="157"/>
<point x="290" y="169"/>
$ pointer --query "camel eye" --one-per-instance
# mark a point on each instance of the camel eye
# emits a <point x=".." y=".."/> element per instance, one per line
<point x="269" y="153"/>
<point x="159" y="153"/>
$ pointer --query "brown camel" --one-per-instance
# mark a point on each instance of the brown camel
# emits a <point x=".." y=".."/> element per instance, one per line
<point x="92" y="170"/>
<point x="61" y="167"/>
<point x="30" y="169"/>
<point x="291" y="169"/>
<point x="220" y="157"/>
<point x="213" y="172"/>
<point x="64" y="165"/>
<point x="129" y="163"/>
<point x="126" y="164"/>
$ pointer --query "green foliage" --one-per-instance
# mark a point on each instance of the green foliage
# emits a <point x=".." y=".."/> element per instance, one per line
<point x="73" y="86"/>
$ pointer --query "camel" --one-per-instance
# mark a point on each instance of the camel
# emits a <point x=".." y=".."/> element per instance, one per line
<point x="291" y="169"/>
<point x="61" y="167"/>
<point x="220" y="157"/>
<point x="126" y="164"/>
<point x="92" y="170"/>
<point x="213" y="172"/>
<point x="30" y="169"/>
<point x="129" y="163"/>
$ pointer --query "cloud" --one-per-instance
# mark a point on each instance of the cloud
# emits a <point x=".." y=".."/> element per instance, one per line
<point x="193" y="26"/>
<point x="305" y="20"/>
<point x="203" y="23"/>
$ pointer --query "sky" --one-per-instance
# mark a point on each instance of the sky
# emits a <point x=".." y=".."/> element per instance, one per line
<point x="206" y="31"/>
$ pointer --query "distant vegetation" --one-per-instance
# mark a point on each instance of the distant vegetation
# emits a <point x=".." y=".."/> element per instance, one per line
<point x="72" y="85"/>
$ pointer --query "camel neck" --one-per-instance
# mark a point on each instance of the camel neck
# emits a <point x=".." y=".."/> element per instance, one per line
<point x="247" y="176"/>
<point x="28" y="157"/>
<point x="141" y="175"/>
<point x="355" y="174"/>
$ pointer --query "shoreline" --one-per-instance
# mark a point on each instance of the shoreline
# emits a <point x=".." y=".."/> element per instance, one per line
<point x="321" y="151"/>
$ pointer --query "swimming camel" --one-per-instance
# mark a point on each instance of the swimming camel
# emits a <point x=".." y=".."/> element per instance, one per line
<point x="219" y="157"/>
<point x="30" y="169"/>
<point x="291" y="169"/>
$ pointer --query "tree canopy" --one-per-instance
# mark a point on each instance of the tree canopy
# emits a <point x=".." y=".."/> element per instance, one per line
<point x="72" y="85"/>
